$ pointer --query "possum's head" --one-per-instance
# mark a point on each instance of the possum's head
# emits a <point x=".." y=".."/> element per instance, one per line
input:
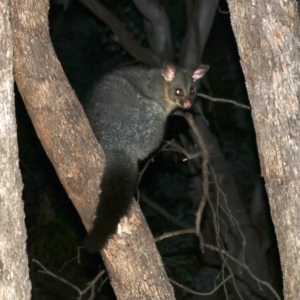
<point x="180" y="85"/>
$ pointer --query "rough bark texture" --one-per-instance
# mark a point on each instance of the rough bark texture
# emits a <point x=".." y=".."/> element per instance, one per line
<point x="56" y="114"/>
<point x="68" y="140"/>
<point x="14" y="275"/>
<point x="139" y="264"/>
<point x="267" y="34"/>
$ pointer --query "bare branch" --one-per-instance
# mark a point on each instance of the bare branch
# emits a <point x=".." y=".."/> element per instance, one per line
<point x="90" y="285"/>
<point x="172" y="146"/>
<point x="154" y="205"/>
<point x="164" y="212"/>
<point x="157" y="27"/>
<point x="224" y="100"/>
<point x="243" y="265"/>
<point x="216" y="249"/>
<point x="121" y="35"/>
<point x="220" y="203"/>
<point x="174" y="233"/>
<point x="189" y="54"/>
<point x="205" y="173"/>
<point x="200" y="16"/>
<point x="201" y="294"/>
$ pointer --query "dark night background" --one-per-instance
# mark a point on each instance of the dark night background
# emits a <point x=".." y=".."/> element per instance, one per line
<point x="86" y="51"/>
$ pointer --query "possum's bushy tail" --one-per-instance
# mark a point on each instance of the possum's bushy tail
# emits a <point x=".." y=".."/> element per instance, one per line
<point x="117" y="190"/>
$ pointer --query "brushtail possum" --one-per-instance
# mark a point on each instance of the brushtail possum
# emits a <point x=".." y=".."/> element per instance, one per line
<point x="128" y="109"/>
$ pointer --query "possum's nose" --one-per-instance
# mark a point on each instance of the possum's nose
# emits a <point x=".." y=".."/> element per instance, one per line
<point x="186" y="103"/>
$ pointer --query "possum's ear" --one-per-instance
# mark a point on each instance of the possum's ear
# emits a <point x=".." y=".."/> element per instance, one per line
<point x="168" y="71"/>
<point x="199" y="72"/>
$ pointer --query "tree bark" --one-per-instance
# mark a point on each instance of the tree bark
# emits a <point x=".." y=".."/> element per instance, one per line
<point x="56" y="114"/>
<point x="14" y="275"/>
<point x="69" y="142"/>
<point x="267" y="34"/>
<point x="136" y="261"/>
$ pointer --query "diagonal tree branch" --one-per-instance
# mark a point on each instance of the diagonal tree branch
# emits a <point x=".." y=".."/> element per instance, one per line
<point x="157" y="28"/>
<point x="121" y="35"/>
<point x="200" y="17"/>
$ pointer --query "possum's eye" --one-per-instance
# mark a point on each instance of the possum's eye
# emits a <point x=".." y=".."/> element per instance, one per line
<point x="192" y="91"/>
<point x="178" y="92"/>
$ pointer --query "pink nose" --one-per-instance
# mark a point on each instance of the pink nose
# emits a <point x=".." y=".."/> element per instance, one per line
<point x="187" y="104"/>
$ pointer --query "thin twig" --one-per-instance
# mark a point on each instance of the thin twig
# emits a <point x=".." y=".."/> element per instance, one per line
<point x="198" y="293"/>
<point x="175" y="147"/>
<point x="174" y="233"/>
<point x="228" y="212"/>
<point x="46" y="271"/>
<point x="90" y="285"/>
<point x="216" y="249"/>
<point x="163" y="212"/>
<point x="76" y="257"/>
<point x="205" y="173"/>
<point x="217" y="238"/>
<point x="243" y="265"/>
<point x="205" y="198"/>
<point x="223" y="100"/>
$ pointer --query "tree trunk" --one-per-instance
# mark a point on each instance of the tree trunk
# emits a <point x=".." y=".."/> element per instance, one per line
<point x="267" y="34"/>
<point x="14" y="275"/>
<point x="133" y="263"/>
